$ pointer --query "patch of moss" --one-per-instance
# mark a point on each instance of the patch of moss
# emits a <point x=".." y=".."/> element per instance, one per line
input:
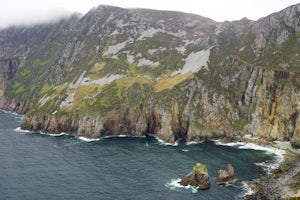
<point x="240" y="124"/>
<point x="106" y="100"/>
<point x="41" y="63"/>
<point x="17" y="87"/>
<point x="132" y="69"/>
<point x="54" y="95"/>
<point x="115" y="66"/>
<point x="200" y="168"/>
<point x="84" y="96"/>
<point x="45" y="89"/>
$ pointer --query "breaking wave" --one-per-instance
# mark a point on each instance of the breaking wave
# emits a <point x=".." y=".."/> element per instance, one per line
<point x="279" y="153"/>
<point x="161" y="142"/>
<point x="175" y="185"/>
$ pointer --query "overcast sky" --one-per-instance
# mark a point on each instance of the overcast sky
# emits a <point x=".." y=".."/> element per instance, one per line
<point x="35" y="11"/>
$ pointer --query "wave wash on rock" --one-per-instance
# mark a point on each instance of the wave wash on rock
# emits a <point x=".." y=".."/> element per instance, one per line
<point x="136" y="72"/>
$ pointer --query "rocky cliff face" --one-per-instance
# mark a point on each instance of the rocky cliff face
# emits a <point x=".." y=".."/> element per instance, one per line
<point x="174" y="75"/>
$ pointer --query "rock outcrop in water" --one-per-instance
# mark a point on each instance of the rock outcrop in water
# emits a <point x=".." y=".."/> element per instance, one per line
<point x="198" y="177"/>
<point x="169" y="74"/>
<point x="226" y="176"/>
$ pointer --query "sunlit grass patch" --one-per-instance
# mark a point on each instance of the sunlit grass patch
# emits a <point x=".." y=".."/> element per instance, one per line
<point x="97" y="67"/>
<point x="170" y="82"/>
<point x="128" y="82"/>
<point x="86" y="91"/>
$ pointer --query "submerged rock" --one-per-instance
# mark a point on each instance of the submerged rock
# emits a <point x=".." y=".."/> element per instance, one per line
<point x="226" y="176"/>
<point x="198" y="177"/>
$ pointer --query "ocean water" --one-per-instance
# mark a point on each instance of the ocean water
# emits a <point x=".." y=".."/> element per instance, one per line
<point x="37" y="166"/>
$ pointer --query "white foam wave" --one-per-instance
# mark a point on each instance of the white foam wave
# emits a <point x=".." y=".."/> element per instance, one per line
<point x="273" y="150"/>
<point x="40" y="132"/>
<point x="122" y="136"/>
<point x="193" y="143"/>
<point x="107" y="137"/>
<point x="175" y="185"/>
<point x="185" y="150"/>
<point x="279" y="153"/>
<point x="21" y="130"/>
<point x="53" y="134"/>
<point x="88" y="139"/>
<point x="231" y="144"/>
<point x="161" y="142"/>
<point x="263" y="165"/>
<point x="246" y="189"/>
<point x="57" y="135"/>
<point x="116" y="136"/>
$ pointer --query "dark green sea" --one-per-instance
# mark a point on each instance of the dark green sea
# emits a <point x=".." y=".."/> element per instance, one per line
<point x="38" y="166"/>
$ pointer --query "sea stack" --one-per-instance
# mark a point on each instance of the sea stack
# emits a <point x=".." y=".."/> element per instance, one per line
<point x="226" y="176"/>
<point x="198" y="177"/>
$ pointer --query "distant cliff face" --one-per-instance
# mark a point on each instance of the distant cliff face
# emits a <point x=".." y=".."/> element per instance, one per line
<point x="174" y="75"/>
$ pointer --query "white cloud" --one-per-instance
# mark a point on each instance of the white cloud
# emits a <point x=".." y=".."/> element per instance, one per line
<point x="27" y="15"/>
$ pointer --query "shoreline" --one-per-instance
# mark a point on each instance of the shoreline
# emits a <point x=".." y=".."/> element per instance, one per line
<point x="261" y="188"/>
<point x="253" y="189"/>
<point x="278" y="152"/>
<point x="280" y="184"/>
<point x="277" y="183"/>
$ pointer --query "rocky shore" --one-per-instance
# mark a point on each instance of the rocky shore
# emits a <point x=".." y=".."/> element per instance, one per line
<point x="282" y="182"/>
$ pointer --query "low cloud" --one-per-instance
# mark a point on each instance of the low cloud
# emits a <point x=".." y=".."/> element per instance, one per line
<point x="31" y="17"/>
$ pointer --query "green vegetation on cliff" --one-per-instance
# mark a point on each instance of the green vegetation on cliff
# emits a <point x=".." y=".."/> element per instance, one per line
<point x="154" y="72"/>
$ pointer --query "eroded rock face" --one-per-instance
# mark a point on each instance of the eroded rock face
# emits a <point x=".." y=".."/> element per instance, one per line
<point x="226" y="176"/>
<point x="198" y="177"/>
<point x="137" y="72"/>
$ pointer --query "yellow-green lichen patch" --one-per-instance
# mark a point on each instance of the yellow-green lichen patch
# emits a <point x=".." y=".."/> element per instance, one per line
<point x="170" y="82"/>
<point x="1" y="92"/>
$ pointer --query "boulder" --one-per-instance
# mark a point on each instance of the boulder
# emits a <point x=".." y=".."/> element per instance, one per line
<point x="226" y="176"/>
<point x="198" y="177"/>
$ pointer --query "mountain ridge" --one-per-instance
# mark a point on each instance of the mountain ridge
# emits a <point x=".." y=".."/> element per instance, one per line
<point x="170" y="74"/>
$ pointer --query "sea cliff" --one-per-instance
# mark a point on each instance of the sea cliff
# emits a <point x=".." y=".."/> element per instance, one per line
<point x="169" y="74"/>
